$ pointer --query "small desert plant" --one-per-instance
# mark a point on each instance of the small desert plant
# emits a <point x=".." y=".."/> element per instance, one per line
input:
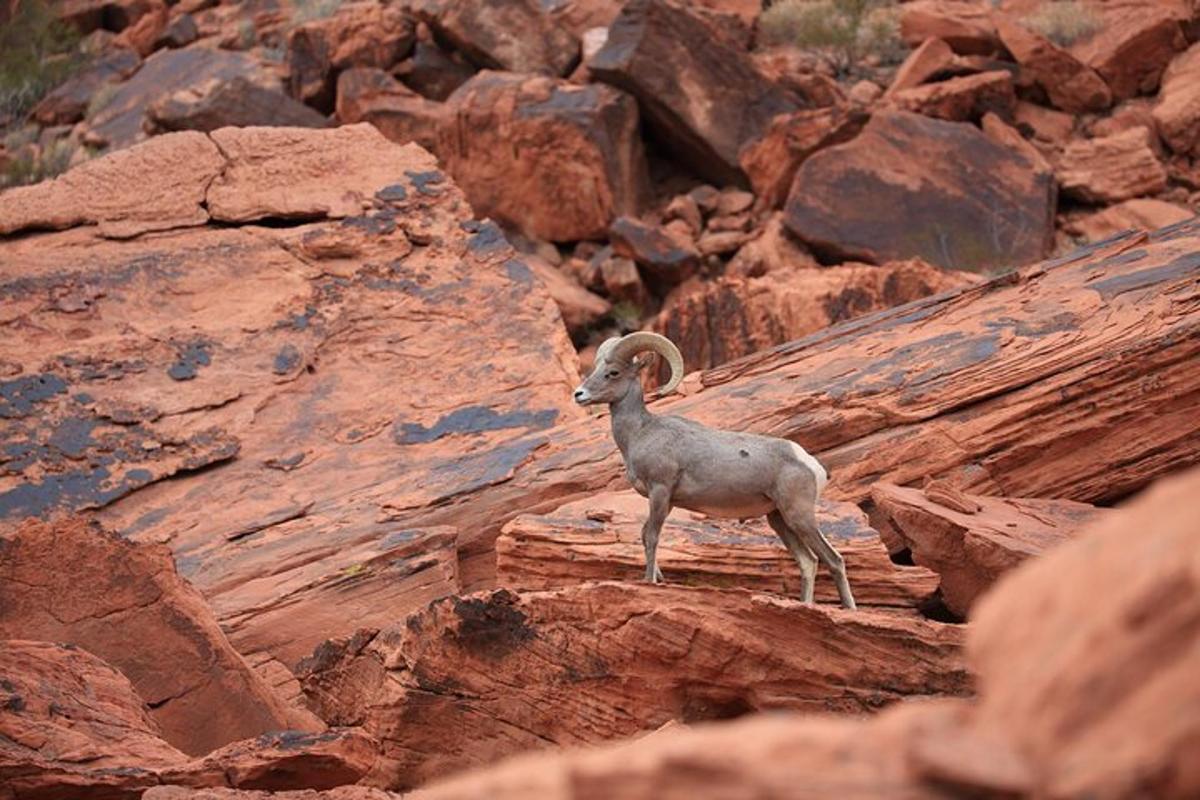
<point x="37" y="53"/>
<point x="1064" y="22"/>
<point x="842" y="30"/>
<point x="309" y="10"/>
<point x="29" y="168"/>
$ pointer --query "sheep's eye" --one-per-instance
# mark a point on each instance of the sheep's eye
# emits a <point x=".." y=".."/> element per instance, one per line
<point x="612" y="373"/>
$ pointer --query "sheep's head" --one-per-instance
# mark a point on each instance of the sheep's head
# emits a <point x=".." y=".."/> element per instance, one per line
<point x="617" y="367"/>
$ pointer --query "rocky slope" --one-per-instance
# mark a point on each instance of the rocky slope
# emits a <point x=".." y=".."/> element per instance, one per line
<point x="285" y="372"/>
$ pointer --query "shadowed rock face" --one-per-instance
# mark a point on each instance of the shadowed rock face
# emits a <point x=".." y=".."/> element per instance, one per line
<point x="913" y="186"/>
<point x="71" y="726"/>
<point x="971" y="540"/>
<point x="686" y="79"/>
<point x="68" y="582"/>
<point x="372" y="351"/>
<point x="471" y="679"/>
<point x="515" y="35"/>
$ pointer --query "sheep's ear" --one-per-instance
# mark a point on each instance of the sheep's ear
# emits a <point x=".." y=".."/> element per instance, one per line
<point x="642" y="360"/>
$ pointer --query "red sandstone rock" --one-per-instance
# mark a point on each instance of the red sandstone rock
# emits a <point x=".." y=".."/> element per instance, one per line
<point x="912" y="186"/>
<point x="929" y="59"/>
<point x="1070" y="85"/>
<point x="966" y="26"/>
<point x="471" y="679"/>
<point x="665" y="258"/>
<point x="717" y="321"/>
<point x="282" y="760"/>
<point x="971" y="546"/>
<point x="1177" y="113"/>
<point x="1111" y="168"/>
<point x="360" y="34"/>
<point x="340" y="793"/>
<point x="771" y="161"/>
<point x="222" y="103"/>
<point x="142" y="36"/>
<point x="72" y="726"/>
<point x="556" y="160"/>
<point x="772" y="249"/>
<point x="433" y="72"/>
<point x="70" y="583"/>
<point x="514" y="35"/>
<point x="368" y="94"/>
<point x="1079" y="640"/>
<point x="379" y="279"/>
<point x="600" y="539"/>
<point x="68" y="102"/>
<point x="1043" y="123"/>
<point x="961" y="99"/>
<point x="579" y="307"/>
<point x="1142" y="213"/>
<point x="1131" y="51"/>
<point x="650" y="45"/>
<point x="120" y="121"/>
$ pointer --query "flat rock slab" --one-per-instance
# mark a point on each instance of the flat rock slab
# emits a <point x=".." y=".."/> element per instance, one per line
<point x="600" y="539"/>
<point x="686" y="79"/>
<point x="471" y="679"/>
<point x="912" y="186"/>
<point x="374" y="352"/>
<point x="1109" y="169"/>
<point x="970" y="540"/>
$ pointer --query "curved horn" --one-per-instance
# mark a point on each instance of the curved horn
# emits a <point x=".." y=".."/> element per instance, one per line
<point x="640" y="341"/>
<point x="604" y="351"/>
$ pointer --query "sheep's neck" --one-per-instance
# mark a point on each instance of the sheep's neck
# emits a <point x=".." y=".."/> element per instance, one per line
<point x="629" y="415"/>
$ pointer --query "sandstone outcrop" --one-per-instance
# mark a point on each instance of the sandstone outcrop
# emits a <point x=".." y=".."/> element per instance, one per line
<point x="471" y="679"/>
<point x="960" y="99"/>
<point x="913" y="186"/>
<point x="970" y="540"/>
<point x="600" y="539"/>
<point x="1177" y="113"/>
<point x="650" y="44"/>
<point x="556" y="160"/>
<point x="1070" y="85"/>
<point x="515" y="35"/>
<point x="1112" y="168"/>
<point x="1133" y="47"/>
<point x="1046" y="640"/>
<point x="369" y="94"/>
<point x="375" y="280"/>
<point x="720" y="320"/>
<point x="966" y="26"/>
<point x="68" y="582"/>
<point x="1141" y="213"/>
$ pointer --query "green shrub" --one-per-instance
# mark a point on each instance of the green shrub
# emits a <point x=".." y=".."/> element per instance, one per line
<point x="51" y="161"/>
<point x="37" y="53"/>
<point x="842" y="30"/>
<point x="1064" y="22"/>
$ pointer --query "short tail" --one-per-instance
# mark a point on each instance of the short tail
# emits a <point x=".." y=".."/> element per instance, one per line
<point x="813" y="465"/>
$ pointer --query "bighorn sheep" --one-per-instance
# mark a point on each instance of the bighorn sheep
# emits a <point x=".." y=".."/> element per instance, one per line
<point x="676" y="462"/>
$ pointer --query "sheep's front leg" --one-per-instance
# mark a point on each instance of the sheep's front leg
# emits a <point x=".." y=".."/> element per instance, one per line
<point x="660" y="507"/>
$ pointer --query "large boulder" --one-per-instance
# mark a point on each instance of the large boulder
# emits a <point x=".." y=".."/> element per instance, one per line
<point x="1177" y="114"/>
<point x="262" y="372"/>
<point x="557" y="160"/>
<point x="1070" y="84"/>
<point x="1132" y="49"/>
<point x="471" y="679"/>
<point x="359" y="34"/>
<point x="67" y="582"/>
<point x="719" y="320"/>
<point x="369" y="94"/>
<point x="965" y="25"/>
<point x="1112" y="168"/>
<point x="963" y="98"/>
<point x="514" y="35"/>
<point x="971" y="540"/>
<point x="68" y="102"/>
<point x="600" y="538"/>
<point x="650" y="49"/>
<point x="117" y="117"/>
<point x="913" y="186"/>
<point x="223" y="103"/>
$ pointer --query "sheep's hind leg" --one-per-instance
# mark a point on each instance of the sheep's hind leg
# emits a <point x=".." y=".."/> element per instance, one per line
<point x="800" y="515"/>
<point x="804" y="557"/>
<point x="660" y="507"/>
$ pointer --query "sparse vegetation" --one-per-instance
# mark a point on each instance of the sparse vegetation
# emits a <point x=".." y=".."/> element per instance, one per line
<point x="309" y="10"/>
<point x="627" y="315"/>
<point x="101" y="99"/>
<point x="37" y="53"/>
<point x="38" y="165"/>
<point x="1064" y="22"/>
<point x="844" y="31"/>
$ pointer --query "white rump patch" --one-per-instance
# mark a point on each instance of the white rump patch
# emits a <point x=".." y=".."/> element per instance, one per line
<point x="815" y="466"/>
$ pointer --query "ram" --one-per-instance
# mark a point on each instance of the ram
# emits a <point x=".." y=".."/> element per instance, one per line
<point x="677" y="462"/>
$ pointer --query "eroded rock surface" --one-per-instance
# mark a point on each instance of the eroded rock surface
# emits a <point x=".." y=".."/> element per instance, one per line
<point x="516" y="35"/>
<point x="471" y="679"/>
<point x="376" y="352"/>
<point x="600" y="539"/>
<point x="971" y="540"/>
<point x="913" y="186"/>
<point x="73" y="583"/>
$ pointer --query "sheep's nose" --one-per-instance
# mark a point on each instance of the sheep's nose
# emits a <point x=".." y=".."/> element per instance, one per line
<point x="579" y="395"/>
